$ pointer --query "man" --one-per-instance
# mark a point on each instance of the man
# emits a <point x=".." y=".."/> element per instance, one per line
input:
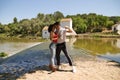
<point x="61" y="44"/>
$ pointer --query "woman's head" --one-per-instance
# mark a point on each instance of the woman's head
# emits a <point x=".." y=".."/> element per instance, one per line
<point x="51" y="28"/>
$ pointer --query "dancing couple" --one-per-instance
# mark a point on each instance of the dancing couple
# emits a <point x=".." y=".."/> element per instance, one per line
<point x="58" y="44"/>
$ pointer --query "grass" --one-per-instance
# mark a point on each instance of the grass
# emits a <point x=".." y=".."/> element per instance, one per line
<point x="3" y="54"/>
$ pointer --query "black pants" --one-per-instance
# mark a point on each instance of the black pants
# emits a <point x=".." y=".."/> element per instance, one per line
<point x="59" y="47"/>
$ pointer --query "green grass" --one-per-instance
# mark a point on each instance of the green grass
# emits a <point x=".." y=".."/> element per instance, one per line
<point x="3" y="54"/>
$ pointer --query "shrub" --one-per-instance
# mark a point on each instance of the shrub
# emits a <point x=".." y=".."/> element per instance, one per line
<point x="3" y="54"/>
<point x="97" y="30"/>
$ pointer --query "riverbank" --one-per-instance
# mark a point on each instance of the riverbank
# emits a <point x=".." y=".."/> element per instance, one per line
<point x="86" y="70"/>
<point x="33" y="38"/>
<point x="3" y="37"/>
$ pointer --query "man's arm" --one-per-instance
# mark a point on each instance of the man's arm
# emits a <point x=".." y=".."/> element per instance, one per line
<point x="68" y="29"/>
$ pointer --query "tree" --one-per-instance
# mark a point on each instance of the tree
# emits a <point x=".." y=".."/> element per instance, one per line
<point x="109" y="25"/>
<point x="79" y="25"/>
<point x="6" y="29"/>
<point x="41" y="16"/>
<point x="15" y="20"/>
<point x="115" y="19"/>
<point x="26" y="27"/>
<point x="58" y="15"/>
<point x="1" y="28"/>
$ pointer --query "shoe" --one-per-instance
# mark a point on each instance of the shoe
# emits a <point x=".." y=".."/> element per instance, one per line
<point x="73" y="69"/>
<point x="50" y="66"/>
<point x="53" y="68"/>
<point x="58" y="68"/>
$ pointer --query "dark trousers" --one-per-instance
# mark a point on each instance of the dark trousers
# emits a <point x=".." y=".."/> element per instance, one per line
<point x="59" y="47"/>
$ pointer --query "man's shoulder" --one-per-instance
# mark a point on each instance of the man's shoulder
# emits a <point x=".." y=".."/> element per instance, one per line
<point x="62" y="29"/>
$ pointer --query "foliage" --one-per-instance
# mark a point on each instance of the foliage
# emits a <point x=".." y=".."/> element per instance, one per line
<point x="58" y="15"/>
<point x="92" y="22"/>
<point x="15" y="20"/>
<point x="82" y="23"/>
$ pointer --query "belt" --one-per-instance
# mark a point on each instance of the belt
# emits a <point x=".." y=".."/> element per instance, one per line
<point x="60" y="43"/>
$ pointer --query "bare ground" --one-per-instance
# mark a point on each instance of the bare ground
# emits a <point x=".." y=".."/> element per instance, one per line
<point x="86" y="70"/>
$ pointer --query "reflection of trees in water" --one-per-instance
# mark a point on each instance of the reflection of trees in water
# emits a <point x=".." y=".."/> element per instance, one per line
<point x="98" y="45"/>
<point x="76" y="54"/>
<point x="71" y="41"/>
<point x="116" y="43"/>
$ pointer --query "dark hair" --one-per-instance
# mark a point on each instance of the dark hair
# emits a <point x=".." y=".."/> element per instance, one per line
<point x="50" y="28"/>
<point x="57" y="23"/>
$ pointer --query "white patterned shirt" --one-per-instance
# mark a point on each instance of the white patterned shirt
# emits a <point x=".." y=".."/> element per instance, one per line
<point x="62" y="34"/>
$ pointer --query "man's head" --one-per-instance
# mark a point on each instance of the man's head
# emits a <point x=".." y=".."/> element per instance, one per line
<point x="57" y="24"/>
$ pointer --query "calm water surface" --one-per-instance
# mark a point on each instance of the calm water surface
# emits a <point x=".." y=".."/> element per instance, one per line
<point x="105" y="47"/>
<point x="12" y="47"/>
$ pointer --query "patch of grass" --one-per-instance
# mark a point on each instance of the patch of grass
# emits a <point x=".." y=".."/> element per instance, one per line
<point x="3" y="54"/>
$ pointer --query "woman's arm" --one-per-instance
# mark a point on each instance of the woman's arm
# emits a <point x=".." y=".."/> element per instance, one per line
<point x="51" y="36"/>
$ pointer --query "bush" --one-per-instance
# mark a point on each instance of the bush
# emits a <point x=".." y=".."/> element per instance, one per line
<point x="97" y="30"/>
<point x="3" y="54"/>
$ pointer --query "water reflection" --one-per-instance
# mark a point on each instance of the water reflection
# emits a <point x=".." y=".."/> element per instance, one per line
<point x="98" y="46"/>
<point x="118" y="43"/>
<point x="15" y="47"/>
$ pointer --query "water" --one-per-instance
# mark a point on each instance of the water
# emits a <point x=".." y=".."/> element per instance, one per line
<point x="108" y="48"/>
<point x="12" y="47"/>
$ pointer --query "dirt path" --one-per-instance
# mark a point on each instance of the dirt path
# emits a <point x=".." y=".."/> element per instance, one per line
<point x="87" y="70"/>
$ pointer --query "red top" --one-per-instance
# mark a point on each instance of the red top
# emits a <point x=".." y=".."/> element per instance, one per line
<point x="56" y="38"/>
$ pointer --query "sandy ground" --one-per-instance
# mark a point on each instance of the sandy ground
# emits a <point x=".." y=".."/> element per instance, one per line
<point x="86" y="70"/>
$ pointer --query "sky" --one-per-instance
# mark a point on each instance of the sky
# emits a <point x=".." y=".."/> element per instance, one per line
<point x="27" y="9"/>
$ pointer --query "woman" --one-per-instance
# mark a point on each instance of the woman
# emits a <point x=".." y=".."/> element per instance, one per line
<point x="52" y="46"/>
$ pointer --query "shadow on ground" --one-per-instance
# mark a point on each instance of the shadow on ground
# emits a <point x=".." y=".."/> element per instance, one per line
<point x="25" y="61"/>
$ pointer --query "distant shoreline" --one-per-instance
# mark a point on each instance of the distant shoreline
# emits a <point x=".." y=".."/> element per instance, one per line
<point x="32" y="38"/>
<point x="100" y="35"/>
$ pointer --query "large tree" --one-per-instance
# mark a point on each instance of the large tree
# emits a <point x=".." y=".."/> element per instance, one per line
<point x="58" y="15"/>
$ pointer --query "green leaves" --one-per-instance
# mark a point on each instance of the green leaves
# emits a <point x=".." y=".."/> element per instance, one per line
<point x="92" y="22"/>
